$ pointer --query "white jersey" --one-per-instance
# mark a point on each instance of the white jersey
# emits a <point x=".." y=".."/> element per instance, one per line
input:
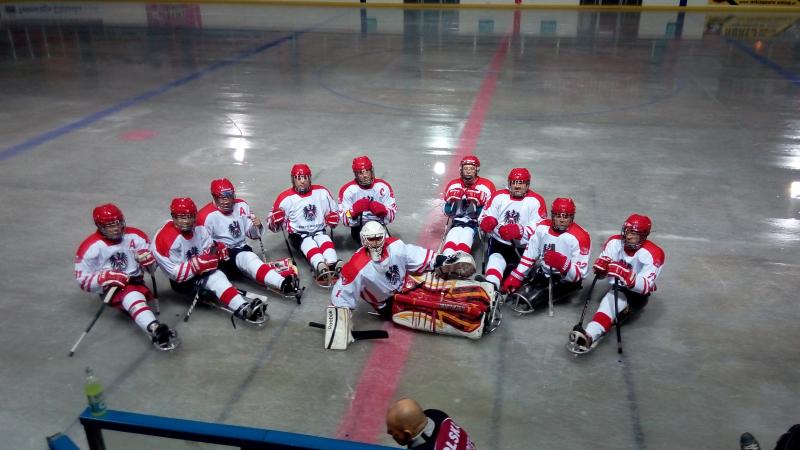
<point x="463" y="214"/>
<point x="173" y="249"/>
<point x="230" y="229"/>
<point x="97" y="254"/>
<point x="525" y="211"/>
<point x="380" y="191"/>
<point x="305" y="213"/>
<point x="374" y="282"/>
<point x="647" y="262"/>
<point x="574" y="243"/>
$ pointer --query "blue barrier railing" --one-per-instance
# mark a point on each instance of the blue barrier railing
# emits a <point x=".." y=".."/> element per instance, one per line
<point x="246" y="438"/>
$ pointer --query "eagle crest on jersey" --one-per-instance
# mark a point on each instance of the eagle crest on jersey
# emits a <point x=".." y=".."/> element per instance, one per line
<point x="511" y="216"/>
<point x="310" y="212"/>
<point x="393" y="275"/>
<point x="235" y="229"/>
<point x="548" y="247"/>
<point x="119" y="261"/>
<point x="191" y="252"/>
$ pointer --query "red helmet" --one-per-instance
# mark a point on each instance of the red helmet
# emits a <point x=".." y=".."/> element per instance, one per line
<point x="221" y="187"/>
<point x="519" y="174"/>
<point x="361" y="163"/>
<point x="303" y="169"/>
<point x="638" y="223"/>
<point x="563" y="205"/>
<point x="471" y="160"/>
<point x="182" y="205"/>
<point x="105" y="214"/>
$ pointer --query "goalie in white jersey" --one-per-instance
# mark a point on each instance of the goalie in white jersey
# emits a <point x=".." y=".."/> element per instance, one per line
<point x="304" y="210"/>
<point x="365" y="198"/>
<point x="561" y="247"/>
<point x="117" y="256"/>
<point x="635" y="262"/>
<point x="503" y="219"/>
<point x="464" y="199"/>
<point x="229" y="220"/>
<point x="185" y="252"/>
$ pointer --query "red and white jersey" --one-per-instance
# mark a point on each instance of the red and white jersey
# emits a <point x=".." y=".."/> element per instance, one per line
<point x="380" y="191"/>
<point x="97" y="254"/>
<point x="525" y="211"/>
<point x="647" y="262"/>
<point x="375" y="282"/>
<point x="230" y="229"/>
<point x="483" y="185"/>
<point x="574" y="243"/>
<point x="305" y="213"/>
<point x="173" y="249"/>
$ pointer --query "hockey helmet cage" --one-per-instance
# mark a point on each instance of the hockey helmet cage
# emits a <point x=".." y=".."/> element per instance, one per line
<point x="373" y="237"/>
<point x="106" y="214"/>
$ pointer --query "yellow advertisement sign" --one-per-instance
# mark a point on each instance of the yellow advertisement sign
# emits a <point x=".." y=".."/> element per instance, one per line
<point x="747" y="28"/>
<point x="771" y="3"/>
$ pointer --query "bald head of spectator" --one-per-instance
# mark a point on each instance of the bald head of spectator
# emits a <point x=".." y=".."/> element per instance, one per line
<point x="404" y="420"/>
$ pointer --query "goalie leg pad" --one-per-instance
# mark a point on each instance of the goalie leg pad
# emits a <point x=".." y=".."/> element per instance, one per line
<point x="338" y="328"/>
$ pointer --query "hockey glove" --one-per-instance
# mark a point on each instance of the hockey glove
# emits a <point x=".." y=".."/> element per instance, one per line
<point x="510" y="284"/>
<point x="221" y="250"/>
<point x="476" y="196"/>
<point x="359" y="207"/>
<point x="454" y="195"/>
<point x="145" y="258"/>
<point x="378" y="209"/>
<point x="276" y="219"/>
<point x="556" y="260"/>
<point x="511" y="231"/>
<point x="458" y="265"/>
<point x="488" y="223"/>
<point x="622" y="273"/>
<point x="600" y="266"/>
<point x="111" y="278"/>
<point x="331" y="219"/>
<point x="203" y="263"/>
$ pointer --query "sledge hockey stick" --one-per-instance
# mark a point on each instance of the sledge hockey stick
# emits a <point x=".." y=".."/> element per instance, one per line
<point x="288" y="247"/>
<point x="106" y="301"/>
<point x="198" y="286"/>
<point x="616" y="315"/>
<point x="155" y="293"/>
<point x="550" y="312"/>
<point x="358" y="335"/>
<point x="588" y="299"/>
<point x="444" y="235"/>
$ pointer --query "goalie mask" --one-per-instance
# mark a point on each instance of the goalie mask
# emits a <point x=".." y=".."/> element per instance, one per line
<point x="562" y="214"/>
<point x="109" y="221"/>
<point x="635" y="231"/>
<point x="184" y="213"/>
<point x="373" y="237"/>
<point x="519" y="180"/>
<point x="363" y="171"/>
<point x="301" y="178"/>
<point x="223" y="192"/>
<point x="470" y="166"/>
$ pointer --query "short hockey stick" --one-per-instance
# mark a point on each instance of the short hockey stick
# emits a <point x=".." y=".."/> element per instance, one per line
<point x="106" y="301"/>
<point x="616" y="316"/>
<point x="550" y="312"/>
<point x="155" y="293"/>
<point x="358" y="335"/>
<point x="588" y="299"/>
<point x="198" y="286"/>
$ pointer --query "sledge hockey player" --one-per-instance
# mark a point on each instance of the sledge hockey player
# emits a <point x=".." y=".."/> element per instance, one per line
<point x="365" y="198"/>
<point x="375" y="273"/>
<point x="464" y="199"/>
<point x="303" y="211"/>
<point x="561" y="247"/>
<point x="431" y="429"/>
<point x="185" y="252"/>
<point x="635" y="262"/>
<point x="117" y="256"/>
<point x="229" y="220"/>
<point x="503" y="219"/>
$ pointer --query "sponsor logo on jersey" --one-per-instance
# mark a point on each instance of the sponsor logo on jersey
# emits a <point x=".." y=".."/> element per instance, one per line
<point x="310" y="212"/>
<point x="393" y="275"/>
<point x="119" y="261"/>
<point x="235" y="229"/>
<point x="511" y="216"/>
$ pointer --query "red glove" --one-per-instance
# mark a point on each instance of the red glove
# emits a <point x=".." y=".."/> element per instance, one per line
<point x="360" y="206"/>
<point x="511" y="231"/>
<point x="145" y="258"/>
<point x="488" y="223"/>
<point x="378" y="209"/>
<point x="276" y="219"/>
<point x="110" y="278"/>
<point x="601" y="266"/>
<point x="221" y="250"/>
<point x="454" y="195"/>
<point x="204" y="263"/>
<point x="476" y="196"/>
<point x="332" y="219"/>
<point x="510" y="284"/>
<point x="556" y="260"/>
<point x="622" y="273"/>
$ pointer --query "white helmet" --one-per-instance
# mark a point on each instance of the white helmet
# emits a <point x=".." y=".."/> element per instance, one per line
<point x="373" y="235"/>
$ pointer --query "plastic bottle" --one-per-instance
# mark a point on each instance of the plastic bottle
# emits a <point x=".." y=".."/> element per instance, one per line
<point x="94" y="394"/>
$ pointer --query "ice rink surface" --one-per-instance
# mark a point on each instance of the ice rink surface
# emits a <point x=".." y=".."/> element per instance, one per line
<point x="691" y="119"/>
